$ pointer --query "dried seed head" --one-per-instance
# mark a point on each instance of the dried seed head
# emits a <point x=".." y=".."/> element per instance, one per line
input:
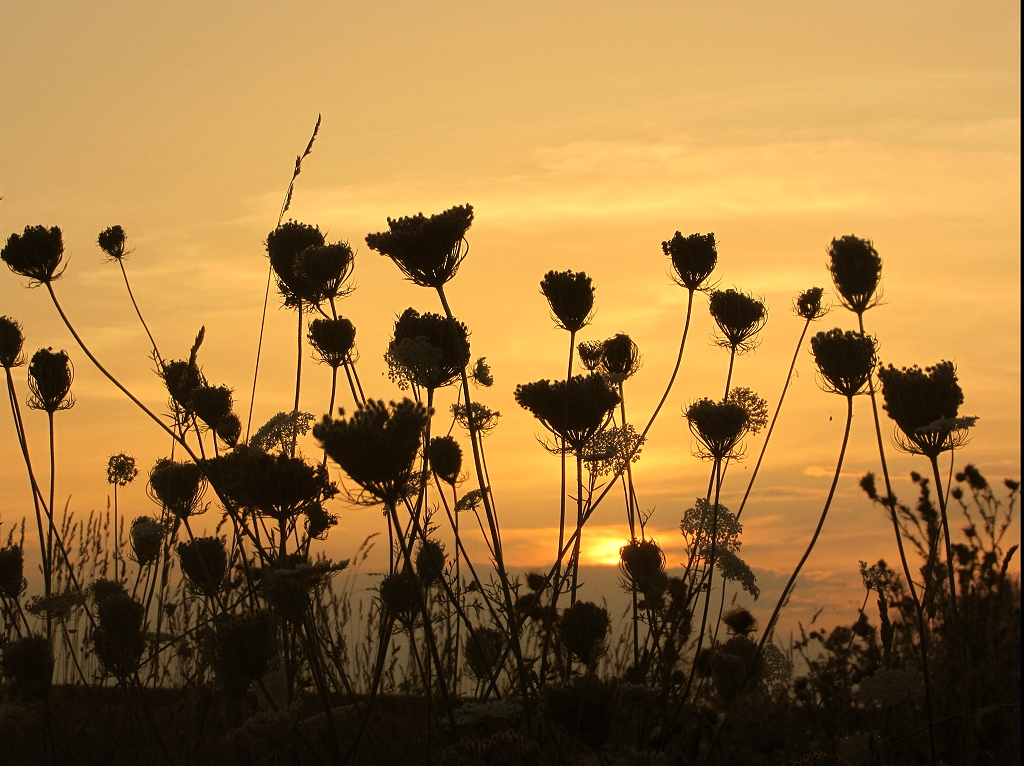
<point x="36" y="253"/>
<point x="28" y="662"/>
<point x="400" y="595"/>
<point x="584" y="630"/>
<point x="925" y="406"/>
<point x="570" y="295"/>
<point x="112" y="242"/>
<point x="284" y="244"/>
<point x="11" y="343"/>
<point x="428" y="350"/>
<point x="212" y="404"/>
<point x="446" y="458"/>
<point x="718" y="426"/>
<point x="49" y="379"/>
<point x="808" y="304"/>
<point x="482" y="373"/>
<point x="484" y="419"/>
<point x="739" y="318"/>
<point x="620" y="357"/>
<point x="845" y="360"/>
<point x="483" y="651"/>
<point x="430" y="561"/>
<point x="536" y="582"/>
<point x="121" y="470"/>
<point x="574" y="410"/>
<point x="973" y="477"/>
<point x="856" y="271"/>
<point x="229" y="429"/>
<point x="332" y="339"/>
<point x="693" y="258"/>
<point x="204" y="562"/>
<point x="642" y="563"/>
<point x="146" y="537"/>
<point x="245" y="647"/>
<point x="12" y="565"/>
<point x="377" y="446"/>
<point x="740" y="621"/>
<point x="178" y="486"/>
<point x="591" y="353"/>
<point x="430" y="250"/>
<point x="182" y="379"/>
<point x="325" y="269"/>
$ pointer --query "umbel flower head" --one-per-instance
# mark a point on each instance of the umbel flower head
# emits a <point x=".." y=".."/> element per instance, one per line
<point x="400" y="595"/>
<point x="428" y="350"/>
<point x="925" y="406"/>
<point x="284" y="244"/>
<point x="245" y="646"/>
<point x="35" y="253"/>
<point x="430" y="250"/>
<point x="12" y="567"/>
<point x="28" y="662"/>
<point x="739" y="318"/>
<point x="204" y="563"/>
<point x="617" y="358"/>
<point x="856" y="270"/>
<point x="325" y="269"/>
<point x="642" y="564"/>
<point x="177" y="486"/>
<point x="693" y="258"/>
<point x="118" y="639"/>
<point x="332" y="339"/>
<point x="808" y="304"/>
<point x="445" y="458"/>
<point x="49" y="379"/>
<point x="574" y="410"/>
<point x="212" y="404"/>
<point x="845" y="360"/>
<point x="146" y="535"/>
<point x="112" y="242"/>
<point x="718" y="426"/>
<point x="377" y="446"/>
<point x="430" y="560"/>
<point x="11" y="343"/>
<point x="584" y="630"/>
<point x="182" y="379"/>
<point x="121" y="470"/>
<point x="570" y="295"/>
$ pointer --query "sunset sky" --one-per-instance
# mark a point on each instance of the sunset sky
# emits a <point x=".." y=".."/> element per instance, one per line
<point x="584" y="134"/>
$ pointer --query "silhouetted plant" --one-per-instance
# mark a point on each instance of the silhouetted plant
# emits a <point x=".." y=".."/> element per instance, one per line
<point x="49" y="379"/>
<point x="428" y="350"/>
<point x="333" y="340"/>
<point x="694" y="257"/>
<point x="36" y="254"/>
<point x="739" y="318"/>
<point x="925" y="405"/>
<point x="574" y="410"/>
<point x="204" y="562"/>
<point x="430" y="250"/>
<point x="28" y="662"/>
<point x="11" y="343"/>
<point x="446" y="458"/>
<point x="856" y="271"/>
<point x="570" y="296"/>
<point x="178" y="486"/>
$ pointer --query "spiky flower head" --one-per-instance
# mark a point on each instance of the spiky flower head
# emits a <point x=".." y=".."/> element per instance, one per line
<point x="856" y="271"/>
<point x="739" y="318"/>
<point x="146" y="536"/>
<point x="483" y="651"/>
<point x="808" y="305"/>
<point x="719" y="427"/>
<point x="325" y="269"/>
<point x="570" y="295"/>
<point x="204" y="562"/>
<point x="121" y="470"/>
<point x="12" y="340"/>
<point x="430" y="250"/>
<point x="245" y="647"/>
<point x="445" y="458"/>
<point x="377" y="446"/>
<point x="925" y="406"/>
<point x="332" y="339"/>
<point x="574" y="410"/>
<point x="430" y="560"/>
<point x="845" y="360"/>
<point x="49" y="379"/>
<point x="284" y="244"/>
<point x="212" y="404"/>
<point x="35" y="253"/>
<point x="177" y="486"/>
<point x="584" y="630"/>
<point x="693" y="258"/>
<point x="428" y="350"/>
<point x="112" y="242"/>
<point x="12" y="567"/>
<point x="28" y="662"/>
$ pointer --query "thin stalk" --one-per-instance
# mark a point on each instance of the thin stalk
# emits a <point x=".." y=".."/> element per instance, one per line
<point x="48" y="568"/>
<point x="156" y="351"/>
<point x="259" y="350"/>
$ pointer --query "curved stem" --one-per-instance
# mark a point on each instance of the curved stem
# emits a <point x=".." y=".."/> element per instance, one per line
<point x="156" y="351"/>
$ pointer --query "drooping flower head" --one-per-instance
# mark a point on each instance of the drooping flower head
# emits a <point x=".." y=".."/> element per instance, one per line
<point x="718" y="426"/>
<point x="49" y="379"/>
<point x="35" y="253"/>
<point x="856" y="270"/>
<point x="925" y="406"/>
<point x="845" y="360"/>
<point x="332" y="339"/>
<point x="739" y="318"/>
<point x="121" y="470"/>
<point x="377" y="446"/>
<point x="445" y="458"/>
<point x="430" y="250"/>
<point x="574" y="410"/>
<point x="808" y="304"/>
<point x="570" y="295"/>
<point x="177" y="486"/>
<point x="112" y="242"/>
<point x="11" y="343"/>
<point x="284" y="244"/>
<point x="428" y="350"/>
<point x="693" y="258"/>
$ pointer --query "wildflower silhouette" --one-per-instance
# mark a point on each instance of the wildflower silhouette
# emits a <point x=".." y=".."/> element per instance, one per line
<point x="428" y="251"/>
<point x="36" y="253"/>
<point x="428" y="350"/>
<point x="12" y="341"/>
<point x="121" y="472"/>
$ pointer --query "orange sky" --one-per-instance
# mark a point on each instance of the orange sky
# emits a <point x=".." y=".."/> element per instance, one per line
<point x="584" y="134"/>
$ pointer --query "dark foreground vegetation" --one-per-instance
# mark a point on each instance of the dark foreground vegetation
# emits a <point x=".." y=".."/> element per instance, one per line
<point x="152" y="644"/>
